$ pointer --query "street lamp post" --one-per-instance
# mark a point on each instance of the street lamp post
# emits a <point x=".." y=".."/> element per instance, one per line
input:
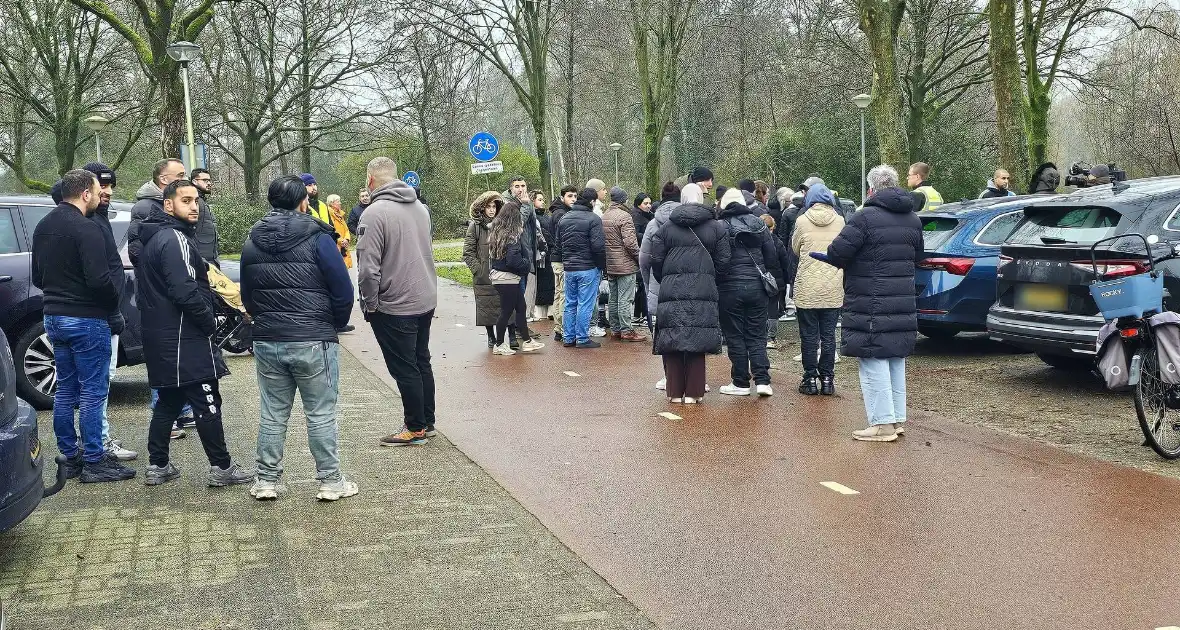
<point x="186" y="52"/>
<point x="615" y="147"/>
<point x="97" y="124"/>
<point x="862" y="102"/>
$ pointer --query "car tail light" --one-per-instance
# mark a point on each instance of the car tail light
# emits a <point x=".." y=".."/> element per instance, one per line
<point x="1127" y="333"/>
<point x="1005" y="259"/>
<point x="955" y="266"/>
<point x="1111" y="269"/>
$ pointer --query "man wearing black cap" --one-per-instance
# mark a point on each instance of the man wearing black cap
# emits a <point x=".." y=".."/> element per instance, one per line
<point x="106" y="186"/>
<point x="702" y="177"/>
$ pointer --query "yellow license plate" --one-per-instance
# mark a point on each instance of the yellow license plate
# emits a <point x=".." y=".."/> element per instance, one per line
<point x="1041" y="297"/>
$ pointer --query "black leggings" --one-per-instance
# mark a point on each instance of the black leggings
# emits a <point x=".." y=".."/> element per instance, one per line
<point x="511" y="300"/>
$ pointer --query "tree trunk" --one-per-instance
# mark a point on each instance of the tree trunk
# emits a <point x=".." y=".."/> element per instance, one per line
<point x="252" y="163"/>
<point x="916" y="127"/>
<point x="879" y="20"/>
<point x="1005" y="64"/>
<point x="173" y="132"/>
<point x="570" y="147"/>
<point x="538" y="119"/>
<point x="1036" y="120"/>
<point x="305" y="100"/>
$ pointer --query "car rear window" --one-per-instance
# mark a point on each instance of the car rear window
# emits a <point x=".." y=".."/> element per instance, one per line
<point x="938" y="231"/>
<point x="1043" y="226"/>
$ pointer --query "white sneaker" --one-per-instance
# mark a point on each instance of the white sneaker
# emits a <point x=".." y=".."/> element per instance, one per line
<point x="115" y="447"/>
<point x="503" y="350"/>
<point x="531" y="346"/>
<point x="707" y="388"/>
<point x="691" y="401"/>
<point x="734" y="390"/>
<point x="264" y="490"/>
<point x="336" y="490"/>
<point x="662" y="384"/>
<point x="595" y="331"/>
<point x="799" y="358"/>
<point x="765" y="390"/>
<point x="787" y="317"/>
<point x="876" y="433"/>
<point x="676" y="400"/>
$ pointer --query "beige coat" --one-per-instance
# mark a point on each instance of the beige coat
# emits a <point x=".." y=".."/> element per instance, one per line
<point x="817" y="284"/>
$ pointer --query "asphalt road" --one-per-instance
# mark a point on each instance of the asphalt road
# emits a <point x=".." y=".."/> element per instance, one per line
<point x="722" y="519"/>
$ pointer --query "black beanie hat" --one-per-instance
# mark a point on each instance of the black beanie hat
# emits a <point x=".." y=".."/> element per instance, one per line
<point x="700" y="174"/>
<point x="746" y="185"/>
<point x="55" y="192"/>
<point x="670" y="192"/>
<point x="103" y="172"/>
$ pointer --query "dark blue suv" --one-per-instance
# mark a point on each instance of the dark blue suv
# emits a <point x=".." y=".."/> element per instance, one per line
<point x="956" y="284"/>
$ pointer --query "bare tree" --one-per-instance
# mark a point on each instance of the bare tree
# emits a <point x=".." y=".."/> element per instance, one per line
<point x="880" y="20"/>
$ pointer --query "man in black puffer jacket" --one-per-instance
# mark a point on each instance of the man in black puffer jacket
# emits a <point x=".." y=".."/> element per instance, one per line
<point x="878" y="249"/>
<point x="743" y="296"/>
<point x="583" y="254"/>
<point x="297" y="289"/>
<point x="176" y="303"/>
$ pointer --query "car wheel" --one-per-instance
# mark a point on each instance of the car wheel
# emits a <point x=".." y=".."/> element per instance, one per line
<point x="935" y="332"/>
<point x="1066" y="362"/>
<point x="36" y="376"/>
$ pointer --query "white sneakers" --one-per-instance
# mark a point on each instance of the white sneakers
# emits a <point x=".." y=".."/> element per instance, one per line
<point x="532" y="345"/>
<point x="734" y="390"/>
<point x="596" y="331"/>
<point x="662" y="384"/>
<point x="765" y="390"/>
<point x="503" y="350"/>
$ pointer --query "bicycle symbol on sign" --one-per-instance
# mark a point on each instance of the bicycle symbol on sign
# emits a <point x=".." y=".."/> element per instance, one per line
<point x="483" y="147"/>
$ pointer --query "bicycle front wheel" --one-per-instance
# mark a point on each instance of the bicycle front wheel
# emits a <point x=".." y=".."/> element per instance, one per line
<point x="1154" y="403"/>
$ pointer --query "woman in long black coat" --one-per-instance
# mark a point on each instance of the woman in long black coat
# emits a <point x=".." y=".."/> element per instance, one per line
<point x="479" y="260"/>
<point x="686" y="255"/>
<point x="545" y="279"/>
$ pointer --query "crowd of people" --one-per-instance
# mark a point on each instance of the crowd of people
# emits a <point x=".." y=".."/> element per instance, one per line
<point x="711" y="275"/>
<point x="295" y="287"/>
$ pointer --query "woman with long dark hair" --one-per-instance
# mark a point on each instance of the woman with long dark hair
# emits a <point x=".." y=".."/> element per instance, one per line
<point x="510" y="263"/>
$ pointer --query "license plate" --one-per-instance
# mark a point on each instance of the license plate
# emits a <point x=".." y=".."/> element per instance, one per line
<point x="1041" y="297"/>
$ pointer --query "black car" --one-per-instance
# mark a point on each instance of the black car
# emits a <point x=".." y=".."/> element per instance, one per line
<point x="20" y="301"/>
<point x="1043" y="301"/>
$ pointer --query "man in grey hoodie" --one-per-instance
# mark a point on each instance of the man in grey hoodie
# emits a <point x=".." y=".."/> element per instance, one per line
<point x="151" y="195"/>
<point x="399" y="292"/>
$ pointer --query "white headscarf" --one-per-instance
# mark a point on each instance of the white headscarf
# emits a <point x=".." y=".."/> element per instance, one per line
<point x="692" y="193"/>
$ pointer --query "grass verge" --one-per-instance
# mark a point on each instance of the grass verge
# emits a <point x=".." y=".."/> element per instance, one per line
<point x="448" y="254"/>
<point x="462" y="275"/>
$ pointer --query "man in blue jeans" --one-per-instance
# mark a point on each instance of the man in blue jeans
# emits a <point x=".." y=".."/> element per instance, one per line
<point x="583" y="251"/>
<point x="70" y="267"/>
<point x="297" y="289"/>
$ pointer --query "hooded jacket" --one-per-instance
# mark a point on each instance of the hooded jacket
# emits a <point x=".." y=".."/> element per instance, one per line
<point x="687" y="256"/>
<point x="294" y="282"/>
<point x="658" y="221"/>
<point x="176" y="305"/>
<point x="354" y="217"/>
<point x="395" y="261"/>
<point x="557" y="209"/>
<point x="206" y="231"/>
<point x="1045" y="180"/>
<point x="583" y="244"/>
<point x="878" y="249"/>
<point x="149" y="197"/>
<point x="817" y="284"/>
<point x="622" y="246"/>
<point x="752" y="249"/>
<point x="478" y="258"/>
<point x="992" y="192"/>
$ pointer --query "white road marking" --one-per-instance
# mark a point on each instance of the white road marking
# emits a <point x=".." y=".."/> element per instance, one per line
<point x="460" y="326"/>
<point x="669" y="415"/>
<point x="568" y="373"/>
<point x="1169" y="628"/>
<point x="843" y="489"/>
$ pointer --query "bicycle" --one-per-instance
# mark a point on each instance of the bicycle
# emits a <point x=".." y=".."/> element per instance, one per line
<point x="1131" y="301"/>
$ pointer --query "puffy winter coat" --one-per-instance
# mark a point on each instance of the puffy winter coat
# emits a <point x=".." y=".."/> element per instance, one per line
<point x="817" y="284"/>
<point x="479" y="260"/>
<point x="283" y="285"/>
<point x="514" y="260"/>
<point x="687" y="255"/>
<point x="752" y="249"/>
<point x="557" y="209"/>
<point x="176" y="305"/>
<point x="878" y="250"/>
<point x="658" y="221"/>
<point x="622" y="246"/>
<point x="148" y="198"/>
<point x="583" y="245"/>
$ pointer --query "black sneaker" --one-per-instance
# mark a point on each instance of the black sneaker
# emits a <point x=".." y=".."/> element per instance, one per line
<point x="557" y="336"/>
<point x="185" y="422"/>
<point x="589" y="344"/>
<point x="347" y="328"/>
<point x="809" y="386"/>
<point x="430" y="431"/>
<point x="73" y="466"/>
<point x="827" y="386"/>
<point x="106" y="469"/>
<point x="514" y="344"/>
<point x="491" y="342"/>
<point x="568" y="344"/>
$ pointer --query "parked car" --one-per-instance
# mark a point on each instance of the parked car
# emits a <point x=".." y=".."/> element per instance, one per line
<point x="22" y="458"/>
<point x="956" y="283"/>
<point x="20" y="302"/>
<point x="1043" y="299"/>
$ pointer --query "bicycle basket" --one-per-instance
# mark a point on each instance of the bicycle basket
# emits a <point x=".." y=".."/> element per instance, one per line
<point x="1131" y="296"/>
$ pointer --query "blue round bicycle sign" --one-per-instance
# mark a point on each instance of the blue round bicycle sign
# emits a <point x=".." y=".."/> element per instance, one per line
<point x="411" y="178"/>
<point x="484" y="147"/>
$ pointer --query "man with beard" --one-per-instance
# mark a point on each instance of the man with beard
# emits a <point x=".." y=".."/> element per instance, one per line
<point x="354" y="215"/>
<point x="315" y="207"/>
<point x="208" y="245"/>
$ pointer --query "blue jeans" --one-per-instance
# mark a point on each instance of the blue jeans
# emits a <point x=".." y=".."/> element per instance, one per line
<point x="186" y="413"/>
<point x="882" y="384"/>
<point x="312" y="368"/>
<point x="581" y="301"/>
<point x="82" y="354"/>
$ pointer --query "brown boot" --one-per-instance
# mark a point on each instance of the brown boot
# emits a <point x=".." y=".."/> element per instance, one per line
<point x="633" y="336"/>
<point x="616" y="336"/>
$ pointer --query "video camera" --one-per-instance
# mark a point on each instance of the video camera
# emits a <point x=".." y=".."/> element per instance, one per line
<point x="1083" y="175"/>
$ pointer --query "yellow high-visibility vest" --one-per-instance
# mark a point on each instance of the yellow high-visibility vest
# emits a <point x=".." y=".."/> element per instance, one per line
<point x="933" y="199"/>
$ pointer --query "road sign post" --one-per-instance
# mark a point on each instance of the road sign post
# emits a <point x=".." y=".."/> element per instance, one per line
<point x="484" y="147"/>
<point x="411" y="178"/>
